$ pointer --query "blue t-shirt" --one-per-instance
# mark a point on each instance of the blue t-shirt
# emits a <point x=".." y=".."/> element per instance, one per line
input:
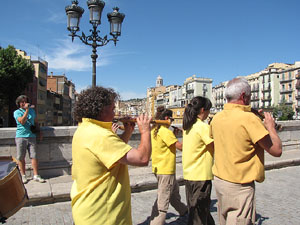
<point x="24" y="130"/>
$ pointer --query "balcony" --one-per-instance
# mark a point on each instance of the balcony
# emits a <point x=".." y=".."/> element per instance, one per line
<point x="298" y="83"/>
<point x="266" y="88"/>
<point x="284" y="101"/>
<point x="289" y="90"/>
<point x="190" y="90"/>
<point x="264" y="99"/>
<point x="286" y="80"/>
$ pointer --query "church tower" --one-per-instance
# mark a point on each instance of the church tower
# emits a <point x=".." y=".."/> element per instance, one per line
<point x="159" y="81"/>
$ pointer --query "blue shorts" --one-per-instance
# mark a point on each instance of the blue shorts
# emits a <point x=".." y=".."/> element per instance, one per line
<point x="24" y="144"/>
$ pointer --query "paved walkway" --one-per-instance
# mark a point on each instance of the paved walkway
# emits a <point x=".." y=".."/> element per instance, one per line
<point x="277" y="202"/>
<point x="57" y="189"/>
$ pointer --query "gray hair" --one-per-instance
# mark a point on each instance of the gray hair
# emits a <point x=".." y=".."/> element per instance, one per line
<point x="236" y="87"/>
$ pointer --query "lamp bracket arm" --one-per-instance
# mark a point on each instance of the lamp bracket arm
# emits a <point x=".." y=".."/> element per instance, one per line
<point x="114" y="39"/>
<point x="94" y="39"/>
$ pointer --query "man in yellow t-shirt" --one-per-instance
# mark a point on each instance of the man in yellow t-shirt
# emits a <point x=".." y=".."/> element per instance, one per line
<point x="164" y="144"/>
<point x="239" y="139"/>
<point x="101" y="191"/>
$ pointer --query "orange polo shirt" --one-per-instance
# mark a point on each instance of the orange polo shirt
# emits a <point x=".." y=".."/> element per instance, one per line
<point x="237" y="156"/>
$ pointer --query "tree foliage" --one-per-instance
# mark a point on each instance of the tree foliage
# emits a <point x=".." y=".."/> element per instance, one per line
<point x="15" y="74"/>
<point x="283" y="112"/>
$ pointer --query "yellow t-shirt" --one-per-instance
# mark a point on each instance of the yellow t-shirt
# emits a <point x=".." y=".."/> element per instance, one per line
<point x="197" y="156"/>
<point x="163" y="151"/>
<point x="237" y="156"/>
<point x="101" y="190"/>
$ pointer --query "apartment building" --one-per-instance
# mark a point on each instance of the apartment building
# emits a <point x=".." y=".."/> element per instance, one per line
<point x="37" y="89"/>
<point x="198" y="86"/>
<point x="61" y="85"/>
<point x="276" y="84"/>
<point x="152" y="94"/>
<point x="218" y="97"/>
<point x="175" y="97"/>
<point x="133" y="107"/>
<point x="177" y="114"/>
<point x="297" y="96"/>
<point x="54" y="109"/>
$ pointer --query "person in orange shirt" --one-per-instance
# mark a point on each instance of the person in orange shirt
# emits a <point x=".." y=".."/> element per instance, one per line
<point x="240" y="138"/>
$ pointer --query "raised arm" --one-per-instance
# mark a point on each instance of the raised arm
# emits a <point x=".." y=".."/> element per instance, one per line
<point x="22" y="120"/>
<point x="140" y="156"/>
<point x="128" y="129"/>
<point x="178" y="145"/>
<point x="271" y="143"/>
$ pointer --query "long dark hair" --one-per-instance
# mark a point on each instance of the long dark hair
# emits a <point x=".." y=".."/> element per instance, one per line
<point x="192" y="110"/>
<point x="161" y="113"/>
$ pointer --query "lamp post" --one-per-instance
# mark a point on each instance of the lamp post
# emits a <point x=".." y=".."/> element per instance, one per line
<point x="74" y="13"/>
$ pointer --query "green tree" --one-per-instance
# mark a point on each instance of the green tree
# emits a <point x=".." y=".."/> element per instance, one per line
<point x="283" y="112"/>
<point x="15" y="74"/>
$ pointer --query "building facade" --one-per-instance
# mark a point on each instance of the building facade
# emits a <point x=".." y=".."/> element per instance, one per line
<point x="277" y="84"/>
<point x="176" y="97"/>
<point x="59" y="84"/>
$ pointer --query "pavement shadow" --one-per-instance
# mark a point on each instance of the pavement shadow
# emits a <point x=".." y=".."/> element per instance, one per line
<point x="260" y="219"/>
<point x="181" y="220"/>
<point x="146" y="222"/>
<point x="184" y="219"/>
<point x="213" y="205"/>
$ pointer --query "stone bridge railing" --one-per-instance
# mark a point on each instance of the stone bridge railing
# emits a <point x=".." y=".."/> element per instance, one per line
<point x="55" y="150"/>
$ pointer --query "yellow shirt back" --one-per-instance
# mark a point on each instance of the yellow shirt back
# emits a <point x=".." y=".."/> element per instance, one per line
<point x="197" y="156"/>
<point x="237" y="156"/>
<point x="101" y="190"/>
<point x="163" y="151"/>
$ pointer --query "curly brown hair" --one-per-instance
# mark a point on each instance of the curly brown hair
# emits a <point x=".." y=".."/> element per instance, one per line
<point x="91" y="102"/>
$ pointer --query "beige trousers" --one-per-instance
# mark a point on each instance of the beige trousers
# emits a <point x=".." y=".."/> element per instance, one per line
<point x="167" y="193"/>
<point x="236" y="202"/>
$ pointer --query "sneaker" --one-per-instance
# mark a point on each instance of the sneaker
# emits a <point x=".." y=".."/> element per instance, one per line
<point x="38" y="178"/>
<point x="24" y="179"/>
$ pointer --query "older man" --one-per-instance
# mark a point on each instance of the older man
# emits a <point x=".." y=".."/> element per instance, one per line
<point x="240" y="139"/>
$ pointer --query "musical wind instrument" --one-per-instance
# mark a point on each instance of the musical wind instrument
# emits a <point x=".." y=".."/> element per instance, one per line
<point x="278" y="127"/>
<point x="133" y="120"/>
<point x="177" y="128"/>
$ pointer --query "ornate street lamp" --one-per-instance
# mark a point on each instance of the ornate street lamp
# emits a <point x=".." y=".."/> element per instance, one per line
<point x="74" y="13"/>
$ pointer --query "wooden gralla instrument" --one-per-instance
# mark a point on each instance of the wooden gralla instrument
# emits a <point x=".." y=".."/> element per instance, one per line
<point x="133" y="120"/>
<point x="278" y="127"/>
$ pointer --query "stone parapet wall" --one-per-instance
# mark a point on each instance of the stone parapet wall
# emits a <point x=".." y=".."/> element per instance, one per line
<point x="55" y="150"/>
